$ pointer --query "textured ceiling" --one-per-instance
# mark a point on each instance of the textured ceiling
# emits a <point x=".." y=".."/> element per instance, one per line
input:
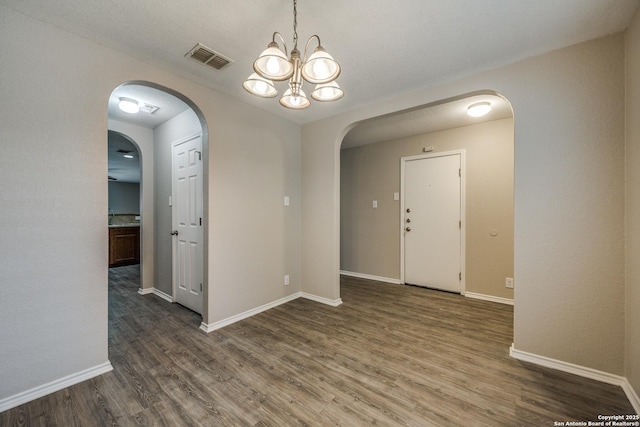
<point x="384" y="47"/>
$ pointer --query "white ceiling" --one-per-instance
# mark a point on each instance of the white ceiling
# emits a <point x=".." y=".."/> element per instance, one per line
<point x="384" y="47"/>
<point x="446" y="115"/>
<point x="168" y="105"/>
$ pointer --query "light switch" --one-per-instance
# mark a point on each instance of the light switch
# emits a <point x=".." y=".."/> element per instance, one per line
<point x="374" y="204"/>
<point x="286" y="200"/>
<point x="396" y="196"/>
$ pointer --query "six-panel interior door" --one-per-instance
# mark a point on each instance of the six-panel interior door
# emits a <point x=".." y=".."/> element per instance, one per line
<point x="187" y="222"/>
<point x="431" y="222"/>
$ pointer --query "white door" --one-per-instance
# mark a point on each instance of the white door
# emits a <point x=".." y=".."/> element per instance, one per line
<point x="431" y="221"/>
<point x="187" y="223"/>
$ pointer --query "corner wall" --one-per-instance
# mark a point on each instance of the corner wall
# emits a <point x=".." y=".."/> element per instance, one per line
<point x="632" y="115"/>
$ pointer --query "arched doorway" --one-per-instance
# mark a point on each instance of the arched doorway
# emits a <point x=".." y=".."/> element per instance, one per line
<point x="372" y="228"/>
<point x="165" y="117"/>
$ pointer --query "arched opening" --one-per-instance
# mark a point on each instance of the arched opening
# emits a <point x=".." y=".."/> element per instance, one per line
<point x="124" y="176"/>
<point x="165" y="119"/>
<point x="372" y="224"/>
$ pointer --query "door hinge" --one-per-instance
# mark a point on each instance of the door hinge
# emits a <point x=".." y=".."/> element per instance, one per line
<point x="460" y="172"/>
<point x="199" y="155"/>
<point x="200" y="287"/>
<point x="459" y="277"/>
<point x="460" y="225"/>
<point x="200" y="221"/>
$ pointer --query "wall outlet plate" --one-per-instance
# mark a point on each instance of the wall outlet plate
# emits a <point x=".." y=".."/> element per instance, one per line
<point x="509" y="282"/>
<point x="286" y="279"/>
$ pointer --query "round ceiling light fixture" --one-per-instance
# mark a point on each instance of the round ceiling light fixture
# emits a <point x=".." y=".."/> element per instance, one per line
<point x="479" y="109"/>
<point x="129" y="105"/>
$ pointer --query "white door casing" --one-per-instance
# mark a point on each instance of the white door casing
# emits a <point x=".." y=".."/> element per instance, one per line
<point x="432" y="220"/>
<point x="186" y="218"/>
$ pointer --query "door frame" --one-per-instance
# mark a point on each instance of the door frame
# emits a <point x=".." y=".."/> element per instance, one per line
<point x="174" y="243"/>
<point x="463" y="227"/>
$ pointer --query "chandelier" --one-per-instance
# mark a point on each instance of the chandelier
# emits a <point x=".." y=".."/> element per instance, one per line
<point x="275" y="65"/>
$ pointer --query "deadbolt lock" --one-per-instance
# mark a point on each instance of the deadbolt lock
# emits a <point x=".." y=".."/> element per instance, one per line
<point x="407" y="229"/>
<point x="408" y="219"/>
<point x="408" y="210"/>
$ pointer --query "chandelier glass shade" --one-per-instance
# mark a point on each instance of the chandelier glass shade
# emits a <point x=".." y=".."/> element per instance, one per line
<point x="277" y="65"/>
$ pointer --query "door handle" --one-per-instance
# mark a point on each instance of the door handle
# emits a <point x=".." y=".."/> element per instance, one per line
<point x="174" y="233"/>
<point x="407" y="229"/>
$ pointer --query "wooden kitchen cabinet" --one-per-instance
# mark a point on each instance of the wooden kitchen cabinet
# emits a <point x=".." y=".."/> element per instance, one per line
<point x="124" y="246"/>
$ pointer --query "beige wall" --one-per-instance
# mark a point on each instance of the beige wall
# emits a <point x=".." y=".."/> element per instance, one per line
<point x="569" y="197"/>
<point x="370" y="238"/>
<point x="54" y="265"/>
<point x="633" y="203"/>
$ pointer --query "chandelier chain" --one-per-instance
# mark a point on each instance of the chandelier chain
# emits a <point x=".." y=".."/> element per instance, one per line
<point x="295" y="24"/>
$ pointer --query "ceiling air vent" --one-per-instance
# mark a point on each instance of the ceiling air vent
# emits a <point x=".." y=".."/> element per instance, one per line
<point x="208" y="57"/>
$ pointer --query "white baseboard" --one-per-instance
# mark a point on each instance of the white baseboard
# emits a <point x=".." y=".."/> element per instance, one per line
<point x="323" y="300"/>
<point x="371" y="277"/>
<point x="631" y="395"/>
<point x="156" y="292"/>
<point x="582" y="371"/>
<point x="210" y="327"/>
<point x="233" y="319"/>
<point x="53" y="386"/>
<point x="489" y="298"/>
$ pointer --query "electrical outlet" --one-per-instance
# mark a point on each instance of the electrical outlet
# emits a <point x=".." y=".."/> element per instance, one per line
<point x="509" y="282"/>
<point x="286" y="279"/>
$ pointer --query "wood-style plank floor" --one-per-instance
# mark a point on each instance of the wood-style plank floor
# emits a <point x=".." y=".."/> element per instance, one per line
<point x="390" y="355"/>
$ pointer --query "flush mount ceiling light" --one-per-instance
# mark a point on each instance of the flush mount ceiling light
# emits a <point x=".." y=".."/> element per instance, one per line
<point x="275" y="65"/>
<point x="129" y="105"/>
<point x="479" y="109"/>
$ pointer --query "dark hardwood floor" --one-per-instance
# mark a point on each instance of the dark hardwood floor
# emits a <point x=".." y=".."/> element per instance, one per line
<point x="390" y="355"/>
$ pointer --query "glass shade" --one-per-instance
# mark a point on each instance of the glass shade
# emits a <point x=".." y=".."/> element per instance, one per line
<point x="295" y="102"/>
<point x="320" y="67"/>
<point x="129" y="105"/>
<point x="327" y="92"/>
<point x="273" y="64"/>
<point x="478" y="109"/>
<point x="260" y="86"/>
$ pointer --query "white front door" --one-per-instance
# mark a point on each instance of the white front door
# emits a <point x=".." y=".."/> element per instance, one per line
<point x="187" y="223"/>
<point x="432" y="221"/>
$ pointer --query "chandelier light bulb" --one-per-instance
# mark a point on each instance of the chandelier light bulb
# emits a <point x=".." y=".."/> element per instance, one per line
<point x="294" y="101"/>
<point x="272" y="65"/>
<point x="259" y="86"/>
<point x="320" y="67"/>
<point x="327" y="92"/>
